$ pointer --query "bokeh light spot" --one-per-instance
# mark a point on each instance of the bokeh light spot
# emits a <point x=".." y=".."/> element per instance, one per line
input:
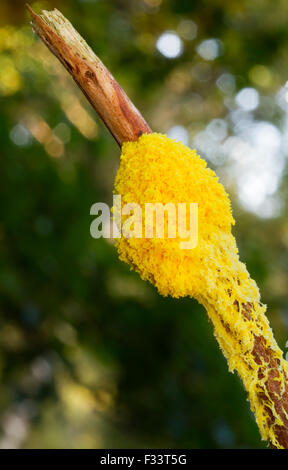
<point x="209" y="49"/>
<point x="179" y="133"/>
<point x="170" y="45"/>
<point x="247" y="99"/>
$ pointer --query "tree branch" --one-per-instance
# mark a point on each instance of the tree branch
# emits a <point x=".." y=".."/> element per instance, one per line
<point x="126" y="124"/>
<point x="106" y="96"/>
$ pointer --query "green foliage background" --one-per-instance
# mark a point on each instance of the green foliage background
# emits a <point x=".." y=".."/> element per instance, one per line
<point x="91" y="356"/>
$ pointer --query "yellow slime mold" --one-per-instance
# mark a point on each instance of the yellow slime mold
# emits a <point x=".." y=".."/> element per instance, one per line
<point x="158" y="169"/>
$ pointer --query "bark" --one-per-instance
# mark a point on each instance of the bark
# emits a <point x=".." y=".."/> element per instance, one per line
<point x="106" y="96"/>
<point x="268" y="366"/>
<point x="265" y="357"/>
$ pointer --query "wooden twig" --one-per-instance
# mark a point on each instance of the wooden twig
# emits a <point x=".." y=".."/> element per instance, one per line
<point x="126" y="124"/>
<point x="106" y="96"/>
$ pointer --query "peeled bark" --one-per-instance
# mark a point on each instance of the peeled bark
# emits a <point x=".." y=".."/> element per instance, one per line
<point x="98" y="85"/>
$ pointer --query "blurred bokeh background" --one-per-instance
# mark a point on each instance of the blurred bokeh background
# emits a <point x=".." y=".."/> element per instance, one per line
<point x="91" y="356"/>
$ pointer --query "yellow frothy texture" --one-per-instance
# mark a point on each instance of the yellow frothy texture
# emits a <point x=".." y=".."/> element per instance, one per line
<point x="158" y="169"/>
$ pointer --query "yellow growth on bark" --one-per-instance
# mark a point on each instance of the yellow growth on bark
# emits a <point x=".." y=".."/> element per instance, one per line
<point x="212" y="272"/>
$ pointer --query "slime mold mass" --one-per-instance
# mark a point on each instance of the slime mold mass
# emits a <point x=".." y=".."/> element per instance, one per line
<point x="158" y="169"/>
